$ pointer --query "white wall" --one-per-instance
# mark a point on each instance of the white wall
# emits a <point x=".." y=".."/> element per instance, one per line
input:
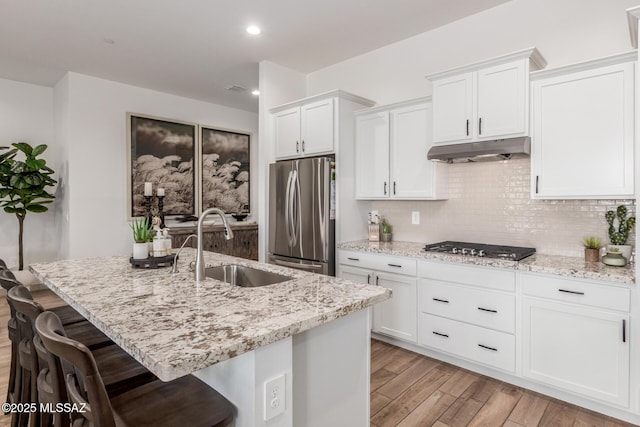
<point x="26" y="114"/>
<point x="278" y="85"/>
<point x="564" y="32"/>
<point x="95" y="125"/>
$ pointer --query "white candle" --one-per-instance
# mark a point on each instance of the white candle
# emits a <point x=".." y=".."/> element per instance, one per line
<point x="160" y="192"/>
<point x="148" y="189"/>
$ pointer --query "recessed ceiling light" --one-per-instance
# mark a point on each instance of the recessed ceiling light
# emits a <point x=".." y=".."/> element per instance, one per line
<point x="255" y="92"/>
<point x="108" y="40"/>
<point x="253" y="30"/>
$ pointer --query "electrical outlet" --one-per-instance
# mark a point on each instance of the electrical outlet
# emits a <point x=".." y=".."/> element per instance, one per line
<point x="274" y="397"/>
<point x="415" y="217"/>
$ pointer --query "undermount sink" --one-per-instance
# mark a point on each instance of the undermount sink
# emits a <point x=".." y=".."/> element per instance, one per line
<point x="240" y="275"/>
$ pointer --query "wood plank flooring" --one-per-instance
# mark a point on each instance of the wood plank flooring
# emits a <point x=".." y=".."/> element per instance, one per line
<point x="410" y="390"/>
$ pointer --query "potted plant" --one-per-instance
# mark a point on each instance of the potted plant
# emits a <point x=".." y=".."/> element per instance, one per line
<point x="141" y="237"/>
<point x="23" y="185"/>
<point x="614" y="257"/>
<point x="386" y="230"/>
<point x="619" y="235"/>
<point x="591" y="249"/>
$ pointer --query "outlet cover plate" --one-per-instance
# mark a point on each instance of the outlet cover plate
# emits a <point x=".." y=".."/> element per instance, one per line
<point x="415" y="217"/>
<point x="274" y="397"/>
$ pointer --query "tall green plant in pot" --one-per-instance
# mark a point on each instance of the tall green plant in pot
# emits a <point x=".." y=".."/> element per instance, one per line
<point x="24" y="178"/>
<point x="619" y="234"/>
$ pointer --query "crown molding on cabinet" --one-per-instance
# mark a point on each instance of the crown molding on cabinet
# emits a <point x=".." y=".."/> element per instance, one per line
<point x="387" y="107"/>
<point x="537" y="63"/>
<point x="586" y="65"/>
<point x="633" y="15"/>
<point x="331" y="94"/>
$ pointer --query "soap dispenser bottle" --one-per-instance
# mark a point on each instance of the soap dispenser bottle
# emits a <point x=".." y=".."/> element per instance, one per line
<point x="168" y="244"/>
<point x="158" y="244"/>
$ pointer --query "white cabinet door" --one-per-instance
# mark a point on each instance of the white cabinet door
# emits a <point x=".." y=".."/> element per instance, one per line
<point x="502" y="100"/>
<point x="453" y="108"/>
<point x="412" y="174"/>
<point x="287" y="133"/>
<point x="355" y="274"/>
<point x="579" y="349"/>
<point x="317" y="128"/>
<point x="372" y="158"/>
<point x="583" y="125"/>
<point x="397" y="316"/>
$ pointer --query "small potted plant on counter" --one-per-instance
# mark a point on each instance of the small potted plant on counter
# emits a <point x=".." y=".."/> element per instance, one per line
<point x="591" y="249"/>
<point x="141" y="237"/>
<point x="386" y="230"/>
<point x="619" y="235"/>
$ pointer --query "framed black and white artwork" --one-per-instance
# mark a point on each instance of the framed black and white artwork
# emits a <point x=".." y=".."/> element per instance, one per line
<point x="162" y="152"/>
<point x="225" y="170"/>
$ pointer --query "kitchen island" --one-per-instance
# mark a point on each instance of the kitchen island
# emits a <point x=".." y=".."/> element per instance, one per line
<point x="312" y="330"/>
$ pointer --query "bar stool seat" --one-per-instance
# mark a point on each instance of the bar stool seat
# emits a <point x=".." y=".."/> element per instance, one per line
<point x="186" y="401"/>
<point x="67" y="314"/>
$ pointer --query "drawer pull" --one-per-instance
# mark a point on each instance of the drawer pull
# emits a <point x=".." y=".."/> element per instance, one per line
<point x="377" y="281"/>
<point x="440" y="335"/>
<point x="487" y="310"/>
<point x="487" y="347"/>
<point x="441" y="300"/>
<point x="624" y="330"/>
<point x="353" y="259"/>
<point x="368" y="279"/>
<point x="570" y="292"/>
<point x="394" y="265"/>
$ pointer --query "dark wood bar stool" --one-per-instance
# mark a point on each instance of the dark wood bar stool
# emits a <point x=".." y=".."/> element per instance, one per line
<point x="186" y="401"/>
<point x="120" y="370"/>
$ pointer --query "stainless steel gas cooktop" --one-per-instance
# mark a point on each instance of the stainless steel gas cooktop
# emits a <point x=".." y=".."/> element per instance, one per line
<point x="513" y="253"/>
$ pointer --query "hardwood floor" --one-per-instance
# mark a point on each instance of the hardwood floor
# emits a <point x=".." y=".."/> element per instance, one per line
<point x="408" y="389"/>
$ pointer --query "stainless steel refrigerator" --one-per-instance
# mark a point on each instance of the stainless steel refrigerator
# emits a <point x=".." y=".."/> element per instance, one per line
<point x="301" y="214"/>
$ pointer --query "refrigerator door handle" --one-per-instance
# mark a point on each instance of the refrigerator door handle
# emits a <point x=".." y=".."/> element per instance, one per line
<point x="287" y="213"/>
<point x="292" y="208"/>
<point x="298" y="214"/>
<point x="297" y="265"/>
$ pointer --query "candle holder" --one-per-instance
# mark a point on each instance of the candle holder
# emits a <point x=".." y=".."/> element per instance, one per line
<point x="147" y="208"/>
<point x="160" y="210"/>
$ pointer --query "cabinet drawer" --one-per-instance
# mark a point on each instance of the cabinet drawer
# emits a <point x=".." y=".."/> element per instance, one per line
<point x="487" y="277"/>
<point x="576" y="291"/>
<point x="391" y="264"/>
<point x="479" y="307"/>
<point x="478" y="344"/>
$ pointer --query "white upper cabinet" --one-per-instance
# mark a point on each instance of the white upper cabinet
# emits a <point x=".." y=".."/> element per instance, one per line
<point x="287" y="133"/>
<point x="484" y="101"/>
<point x="305" y="130"/>
<point x="372" y="155"/>
<point x="318" y="130"/>
<point x="454" y="99"/>
<point x="583" y="130"/>
<point x="310" y="127"/>
<point x="391" y="153"/>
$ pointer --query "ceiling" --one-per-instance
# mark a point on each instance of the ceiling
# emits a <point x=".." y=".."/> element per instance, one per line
<point x="199" y="48"/>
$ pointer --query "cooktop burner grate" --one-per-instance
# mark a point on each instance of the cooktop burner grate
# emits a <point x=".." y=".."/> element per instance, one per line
<point x="514" y="253"/>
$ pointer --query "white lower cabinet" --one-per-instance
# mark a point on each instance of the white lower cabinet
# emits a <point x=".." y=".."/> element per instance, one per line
<point x="395" y="317"/>
<point x="477" y="344"/>
<point x="576" y="346"/>
<point x="463" y="314"/>
<point x="570" y="335"/>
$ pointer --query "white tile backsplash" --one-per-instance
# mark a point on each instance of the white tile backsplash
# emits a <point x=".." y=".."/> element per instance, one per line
<point x="490" y="203"/>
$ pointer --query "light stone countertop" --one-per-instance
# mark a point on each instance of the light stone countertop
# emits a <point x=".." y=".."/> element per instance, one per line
<point x="175" y="327"/>
<point x="538" y="263"/>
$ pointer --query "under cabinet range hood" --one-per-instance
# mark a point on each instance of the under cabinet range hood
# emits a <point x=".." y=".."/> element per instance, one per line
<point x="483" y="151"/>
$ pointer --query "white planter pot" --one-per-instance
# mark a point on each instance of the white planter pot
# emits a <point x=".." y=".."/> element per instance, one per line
<point x="140" y="250"/>
<point x="625" y="250"/>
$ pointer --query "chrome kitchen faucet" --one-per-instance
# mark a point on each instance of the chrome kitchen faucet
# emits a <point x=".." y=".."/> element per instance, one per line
<point x="228" y="234"/>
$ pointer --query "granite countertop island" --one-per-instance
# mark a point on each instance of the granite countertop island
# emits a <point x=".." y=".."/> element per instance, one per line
<point x="540" y="263"/>
<point x="175" y="326"/>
